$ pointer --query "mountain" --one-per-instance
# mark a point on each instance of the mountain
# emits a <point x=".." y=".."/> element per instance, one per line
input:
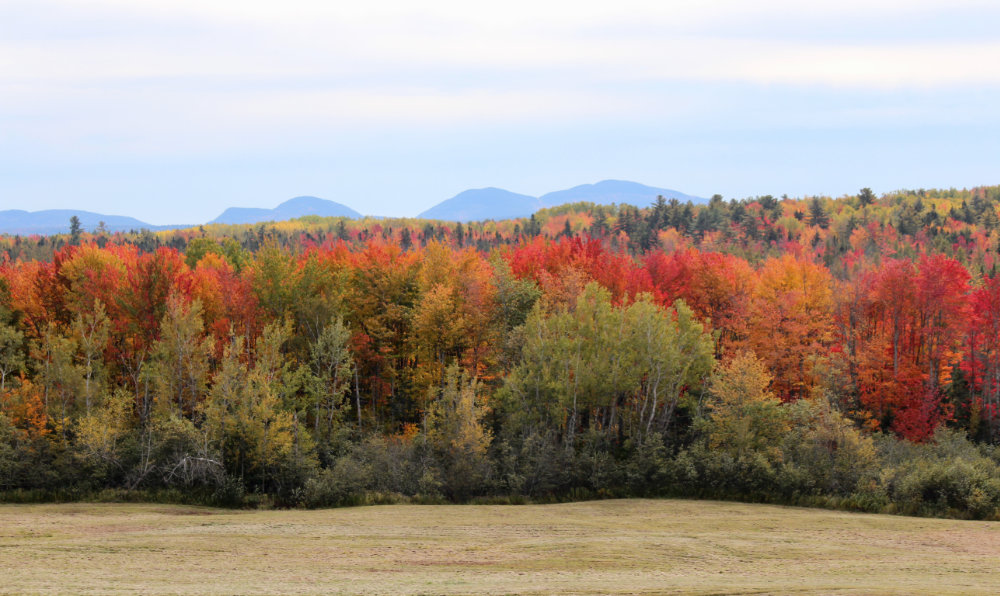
<point x="290" y="209"/>
<point x="615" y="191"/>
<point x="483" y="203"/>
<point x="471" y="205"/>
<point x="497" y="203"/>
<point x="56" y="221"/>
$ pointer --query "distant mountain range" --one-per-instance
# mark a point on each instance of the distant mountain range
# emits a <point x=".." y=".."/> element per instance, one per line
<point x="470" y="205"/>
<point x="290" y="209"/>
<point x="615" y="191"/>
<point x="56" y="221"/>
<point x="497" y="203"/>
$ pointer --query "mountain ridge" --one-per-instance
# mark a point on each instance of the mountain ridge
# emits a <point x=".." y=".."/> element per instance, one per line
<point x="56" y="221"/>
<point x="291" y="209"/>
<point x="474" y="204"/>
<point x="480" y="204"/>
<point x="615" y="191"/>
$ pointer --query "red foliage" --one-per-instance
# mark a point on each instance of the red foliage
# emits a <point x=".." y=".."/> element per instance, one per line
<point x="718" y="287"/>
<point x="552" y="263"/>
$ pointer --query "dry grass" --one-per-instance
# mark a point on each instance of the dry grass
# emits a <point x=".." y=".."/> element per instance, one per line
<point x="633" y="546"/>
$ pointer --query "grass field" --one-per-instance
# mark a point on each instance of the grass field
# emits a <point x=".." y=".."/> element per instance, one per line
<point x="631" y="546"/>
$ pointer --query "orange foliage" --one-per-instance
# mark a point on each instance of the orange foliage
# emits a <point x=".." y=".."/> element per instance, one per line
<point x="790" y="324"/>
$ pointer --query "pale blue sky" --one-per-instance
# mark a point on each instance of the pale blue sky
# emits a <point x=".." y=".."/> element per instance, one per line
<point x="173" y="111"/>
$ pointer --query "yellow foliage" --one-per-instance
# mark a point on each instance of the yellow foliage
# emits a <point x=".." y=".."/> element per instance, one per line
<point x="745" y="415"/>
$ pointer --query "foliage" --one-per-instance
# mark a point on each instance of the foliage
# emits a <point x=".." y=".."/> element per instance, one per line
<point x="770" y="348"/>
<point x="744" y="416"/>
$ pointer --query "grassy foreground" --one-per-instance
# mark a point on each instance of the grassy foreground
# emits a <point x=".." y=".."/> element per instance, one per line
<point x="631" y="546"/>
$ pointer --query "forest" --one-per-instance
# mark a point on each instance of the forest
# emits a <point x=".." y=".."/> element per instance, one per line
<point x="837" y="352"/>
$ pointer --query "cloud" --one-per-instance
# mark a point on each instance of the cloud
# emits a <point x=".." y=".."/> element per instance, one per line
<point x="197" y="77"/>
<point x="678" y="41"/>
<point x="522" y="12"/>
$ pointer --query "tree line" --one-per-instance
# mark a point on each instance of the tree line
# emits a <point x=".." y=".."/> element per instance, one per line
<point x="559" y="364"/>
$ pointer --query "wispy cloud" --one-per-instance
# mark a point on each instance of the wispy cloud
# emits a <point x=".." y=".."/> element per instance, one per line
<point x="232" y="65"/>
<point x="267" y="39"/>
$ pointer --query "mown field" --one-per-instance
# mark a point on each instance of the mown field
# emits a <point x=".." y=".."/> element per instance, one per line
<point x="630" y="546"/>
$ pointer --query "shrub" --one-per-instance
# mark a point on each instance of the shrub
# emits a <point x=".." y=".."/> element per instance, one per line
<point x="343" y="484"/>
<point x="825" y="450"/>
<point x="948" y="475"/>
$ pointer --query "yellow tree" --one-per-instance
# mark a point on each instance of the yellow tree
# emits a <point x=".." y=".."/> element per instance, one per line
<point x="248" y="418"/>
<point x="454" y="319"/>
<point x="456" y="432"/>
<point x="102" y="433"/>
<point x="744" y="415"/>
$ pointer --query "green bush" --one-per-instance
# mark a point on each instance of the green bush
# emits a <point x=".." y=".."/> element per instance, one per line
<point x="229" y="493"/>
<point x="825" y="451"/>
<point x="646" y="468"/>
<point x="343" y="484"/>
<point x="948" y="475"/>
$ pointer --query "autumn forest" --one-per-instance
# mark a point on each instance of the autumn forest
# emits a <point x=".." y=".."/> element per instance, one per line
<point x="834" y="352"/>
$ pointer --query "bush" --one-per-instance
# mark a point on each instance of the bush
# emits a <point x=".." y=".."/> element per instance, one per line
<point x="9" y="460"/>
<point x="825" y="451"/>
<point x="533" y="465"/>
<point x="229" y="493"/>
<point x="596" y="469"/>
<point x="707" y="473"/>
<point x="947" y="476"/>
<point x="646" y="471"/>
<point x="955" y="488"/>
<point x="344" y="484"/>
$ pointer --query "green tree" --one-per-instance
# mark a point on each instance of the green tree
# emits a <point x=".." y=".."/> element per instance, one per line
<point x="61" y="379"/>
<point x="817" y="214"/>
<point x="91" y="331"/>
<point x="515" y="299"/>
<point x="179" y="366"/>
<point x="319" y="290"/>
<point x="835" y="455"/>
<point x="74" y="230"/>
<point x="333" y="366"/>
<point x="866" y="197"/>
<point x="12" y="459"/>
<point x="12" y="358"/>
<point x="197" y="248"/>
<point x="672" y="352"/>
<point x="604" y="367"/>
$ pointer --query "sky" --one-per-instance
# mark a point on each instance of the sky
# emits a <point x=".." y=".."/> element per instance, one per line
<point x="173" y="111"/>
